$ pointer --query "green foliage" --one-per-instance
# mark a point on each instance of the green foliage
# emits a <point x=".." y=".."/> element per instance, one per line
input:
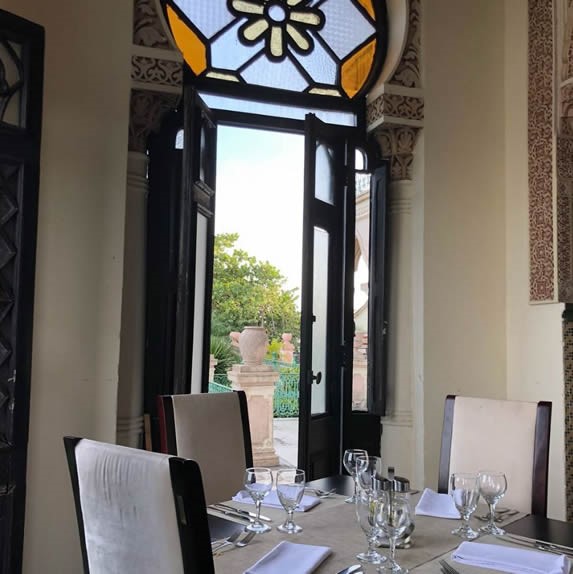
<point x="247" y="291"/>
<point x="274" y="349"/>
<point x="225" y="354"/>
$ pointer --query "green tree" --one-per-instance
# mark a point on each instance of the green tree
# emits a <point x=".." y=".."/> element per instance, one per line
<point x="247" y="291"/>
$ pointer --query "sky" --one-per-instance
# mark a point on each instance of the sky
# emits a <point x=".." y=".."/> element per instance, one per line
<point x="260" y="185"/>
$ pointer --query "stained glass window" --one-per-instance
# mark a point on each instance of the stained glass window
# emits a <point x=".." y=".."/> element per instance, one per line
<point x="326" y="47"/>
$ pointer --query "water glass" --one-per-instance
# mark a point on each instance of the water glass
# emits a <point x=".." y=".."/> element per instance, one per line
<point x="368" y="468"/>
<point x="366" y="508"/>
<point x="393" y="517"/>
<point x="492" y="487"/>
<point x="290" y="489"/>
<point x="464" y="489"/>
<point x="350" y="459"/>
<point x="258" y="482"/>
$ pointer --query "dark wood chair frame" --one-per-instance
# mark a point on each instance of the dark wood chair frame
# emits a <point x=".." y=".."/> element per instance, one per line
<point x="540" y="454"/>
<point x="189" y="505"/>
<point x="167" y="426"/>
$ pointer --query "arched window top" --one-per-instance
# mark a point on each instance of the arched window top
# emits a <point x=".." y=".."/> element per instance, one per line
<point x="320" y="47"/>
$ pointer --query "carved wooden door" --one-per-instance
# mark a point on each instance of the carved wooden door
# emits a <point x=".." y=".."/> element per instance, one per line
<point x="21" y="79"/>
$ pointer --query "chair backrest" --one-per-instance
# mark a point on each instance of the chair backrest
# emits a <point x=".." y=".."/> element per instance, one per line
<point x="212" y="429"/>
<point x="508" y="436"/>
<point x="138" y="512"/>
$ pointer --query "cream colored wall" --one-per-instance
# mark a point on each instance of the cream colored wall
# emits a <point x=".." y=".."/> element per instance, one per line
<point x="80" y="256"/>
<point x="534" y="354"/>
<point x="464" y="208"/>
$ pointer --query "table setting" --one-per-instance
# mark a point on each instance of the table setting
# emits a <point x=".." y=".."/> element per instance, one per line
<point x="282" y="525"/>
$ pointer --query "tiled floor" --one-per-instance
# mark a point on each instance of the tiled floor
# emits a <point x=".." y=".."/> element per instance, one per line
<point x="286" y="440"/>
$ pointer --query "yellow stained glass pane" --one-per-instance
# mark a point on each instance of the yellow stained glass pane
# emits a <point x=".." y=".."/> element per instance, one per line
<point x="193" y="50"/>
<point x="367" y="5"/>
<point x="355" y="70"/>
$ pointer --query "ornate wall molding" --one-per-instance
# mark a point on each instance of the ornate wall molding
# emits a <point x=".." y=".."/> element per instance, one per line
<point x="156" y="71"/>
<point x="148" y="29"/>
<point x="395" y="110"/>
<point x="408" y="72"/>
<point x="541" y="148"/>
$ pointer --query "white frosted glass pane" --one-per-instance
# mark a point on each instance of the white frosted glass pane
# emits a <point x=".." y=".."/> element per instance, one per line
<point x="319" y="63"/>
<point x="319" y="327"/>
<point x="324" y="177"/>
<point x="179" y="140"/>
<point x="263" y="72"/>
<point x="228" y="53"/>
<point x="208" y="15"/>
<point x="199" y="318"/>
<point x="345" y="27"/>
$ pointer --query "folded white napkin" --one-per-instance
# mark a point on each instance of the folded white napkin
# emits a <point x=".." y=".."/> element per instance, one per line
<point x="507" y="559"/>
<point x="439" y="505"/>
<point x="272" y="500"/>
<point x="292" y="558"/>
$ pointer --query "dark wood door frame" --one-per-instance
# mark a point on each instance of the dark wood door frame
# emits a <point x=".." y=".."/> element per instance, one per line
<point x="20" y="136"/>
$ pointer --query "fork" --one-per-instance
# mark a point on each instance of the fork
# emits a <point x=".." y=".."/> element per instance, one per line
<point x="447" y="569"/>
<point x="322" y="493"/>
<point x="234" y="541"/>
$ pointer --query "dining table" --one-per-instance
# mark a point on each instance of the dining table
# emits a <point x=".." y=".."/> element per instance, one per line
<point x="333" y="523"/>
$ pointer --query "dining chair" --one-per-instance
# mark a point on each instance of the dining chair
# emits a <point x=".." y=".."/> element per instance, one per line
<point x="138" y="512"/>
<point x="212" y="429"/>
<point x="508" y="436"/>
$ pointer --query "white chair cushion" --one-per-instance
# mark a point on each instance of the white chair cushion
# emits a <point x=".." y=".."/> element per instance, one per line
<point x="128" y="510"/>
<point x="496" y="435"/>
<point x="209" y="429"/>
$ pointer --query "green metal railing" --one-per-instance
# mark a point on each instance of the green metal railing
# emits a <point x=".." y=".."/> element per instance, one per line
<point x="285" y="402"/>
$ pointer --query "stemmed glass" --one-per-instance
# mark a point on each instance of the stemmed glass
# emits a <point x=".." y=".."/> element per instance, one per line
<point x="290" y="489"/>
<point x="350" y="459"/>
<point x="258" y="482"/>
<point x="366" y="508"/>
<point x="393" y="518"/>
<point x="367" y="468"/>
<point x="464" y="489"/>
<point x="492" y="487"/>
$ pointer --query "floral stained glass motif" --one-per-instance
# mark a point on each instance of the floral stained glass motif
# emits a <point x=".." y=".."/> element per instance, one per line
<point x="326" y="47"/>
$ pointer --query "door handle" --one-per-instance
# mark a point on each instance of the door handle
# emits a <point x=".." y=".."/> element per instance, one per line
<point x="316" y="378"/>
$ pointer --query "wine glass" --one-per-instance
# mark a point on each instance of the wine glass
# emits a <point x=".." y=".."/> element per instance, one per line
<point x="366" y="508"/>
<point x="492" y="487"/>
<point x="290" y="489"/>
<point x="258" y="482"/>
<point x="393" y="518"/>
<point x="350" y="459"/>
<point x="367" y="468"/>
<point x="464" y="489"/>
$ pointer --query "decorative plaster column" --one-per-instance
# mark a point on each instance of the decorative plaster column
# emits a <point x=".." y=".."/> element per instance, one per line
<point x="258" y="382"/>
<point x="156" y="74"/>
<point x="147" y="109"/>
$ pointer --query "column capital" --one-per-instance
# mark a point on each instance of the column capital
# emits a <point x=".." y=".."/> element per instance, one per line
<point x="397" y="144"/>
<point x="147" y="111"/>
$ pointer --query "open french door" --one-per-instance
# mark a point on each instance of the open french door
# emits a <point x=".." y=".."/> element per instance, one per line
<point x="326" y="321"/>
<point x="327" y="423"/>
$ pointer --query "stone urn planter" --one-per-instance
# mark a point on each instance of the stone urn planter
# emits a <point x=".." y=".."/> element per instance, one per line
<point x="253" y="344"/>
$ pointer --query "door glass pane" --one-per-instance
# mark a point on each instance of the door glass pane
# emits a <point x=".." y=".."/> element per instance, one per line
<point x="324" y="178"/>
<point x="199" y="317"/>
<point x="319" y="327"/>
<point x="13" y="82"/>
<point x="360" y="351"/>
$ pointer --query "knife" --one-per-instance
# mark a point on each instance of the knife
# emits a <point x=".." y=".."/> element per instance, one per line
<point x="355" y="569"/>
<point x="225" y="509"/>
<point x="549" y="546"/>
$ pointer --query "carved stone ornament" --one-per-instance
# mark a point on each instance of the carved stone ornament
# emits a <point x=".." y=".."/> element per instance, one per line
<point x="395" y="105"/>
<point x="148" y="27"/>
<point x="156" y="71"/>
<point x="147" y="110"/>
<point x="397" y="145"/>
<point x="408" y="73"/>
